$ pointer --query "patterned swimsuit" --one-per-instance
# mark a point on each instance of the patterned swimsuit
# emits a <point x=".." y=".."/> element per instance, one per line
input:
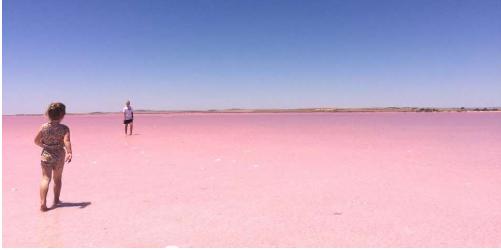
<point x="53" y="152"/>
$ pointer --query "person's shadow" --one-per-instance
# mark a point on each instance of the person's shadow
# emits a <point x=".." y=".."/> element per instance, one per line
<point x="71" y="204"/>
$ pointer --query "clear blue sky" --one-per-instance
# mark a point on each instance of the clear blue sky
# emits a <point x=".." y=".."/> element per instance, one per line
<point x="94" y="54"/>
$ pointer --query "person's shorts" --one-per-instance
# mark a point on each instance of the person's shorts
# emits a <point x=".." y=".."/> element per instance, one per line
<point x="127" y="121"/>
<point x="53" y="158"/>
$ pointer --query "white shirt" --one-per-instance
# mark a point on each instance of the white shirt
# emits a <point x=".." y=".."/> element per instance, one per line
<point x="128" y="113"/>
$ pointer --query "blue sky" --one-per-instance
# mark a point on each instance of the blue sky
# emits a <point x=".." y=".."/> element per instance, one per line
<point x="94" y="54"/>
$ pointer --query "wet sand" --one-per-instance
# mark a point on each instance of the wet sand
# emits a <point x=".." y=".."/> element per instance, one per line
<point x="261" y="180"/>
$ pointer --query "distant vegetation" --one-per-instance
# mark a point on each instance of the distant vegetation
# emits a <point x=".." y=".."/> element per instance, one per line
<point x="487" y="109"/>
<point x="427" y="110"/>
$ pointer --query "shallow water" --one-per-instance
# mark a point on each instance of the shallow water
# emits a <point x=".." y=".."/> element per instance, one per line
<point x="262" y="180"/>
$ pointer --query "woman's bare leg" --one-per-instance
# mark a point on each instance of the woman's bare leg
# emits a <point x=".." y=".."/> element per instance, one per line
<point x="131" y="125"/>
<point x="44" y="187"/>
<point x="125" y="129"/>
<point x="58" y="177"/>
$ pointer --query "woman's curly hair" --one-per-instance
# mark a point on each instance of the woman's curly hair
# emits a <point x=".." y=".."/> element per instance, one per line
<point x="56" y="111"/>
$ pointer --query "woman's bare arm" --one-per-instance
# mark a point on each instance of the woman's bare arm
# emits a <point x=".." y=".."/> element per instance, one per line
<point x="38" y="138"/>
<point x="67" y="146"/>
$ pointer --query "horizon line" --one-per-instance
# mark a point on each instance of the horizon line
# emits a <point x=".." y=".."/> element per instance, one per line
<point x="289" y="110"/>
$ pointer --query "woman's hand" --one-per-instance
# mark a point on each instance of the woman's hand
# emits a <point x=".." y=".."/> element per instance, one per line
<point x="68" y="158"/>
<point x="67" y="146"/>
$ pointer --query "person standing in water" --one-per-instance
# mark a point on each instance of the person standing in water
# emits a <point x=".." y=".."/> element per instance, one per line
<point x="54" y="138"/>
<point x="128" y="117"/>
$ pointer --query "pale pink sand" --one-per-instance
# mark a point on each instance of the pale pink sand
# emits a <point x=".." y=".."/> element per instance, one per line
<point x="262" y="180"/>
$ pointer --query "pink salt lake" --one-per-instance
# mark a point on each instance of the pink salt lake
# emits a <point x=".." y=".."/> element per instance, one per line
<point x="262" y="180"/>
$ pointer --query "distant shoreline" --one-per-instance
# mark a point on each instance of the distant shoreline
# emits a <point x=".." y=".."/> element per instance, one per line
<point x="297" y="110"/>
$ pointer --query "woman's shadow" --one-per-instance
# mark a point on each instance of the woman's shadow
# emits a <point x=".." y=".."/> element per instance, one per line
<point x="71" y="204"/>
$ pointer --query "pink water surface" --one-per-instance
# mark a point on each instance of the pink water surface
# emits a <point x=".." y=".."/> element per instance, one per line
<point x="262" y="180"/>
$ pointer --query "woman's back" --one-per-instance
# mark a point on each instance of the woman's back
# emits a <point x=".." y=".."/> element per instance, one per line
<point x="53" y="134"/>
